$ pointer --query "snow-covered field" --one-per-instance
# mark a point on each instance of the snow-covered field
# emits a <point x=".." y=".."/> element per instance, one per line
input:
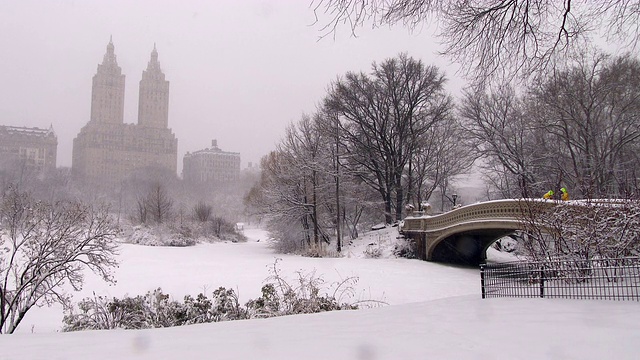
<point x="435" y="311"/>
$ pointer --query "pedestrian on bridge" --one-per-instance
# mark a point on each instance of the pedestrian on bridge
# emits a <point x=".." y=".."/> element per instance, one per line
<point x="548" y="195"/>
<point x="565" y="194"/>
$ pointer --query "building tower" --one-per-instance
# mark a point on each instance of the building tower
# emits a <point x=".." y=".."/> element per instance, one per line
<point x="153" y="104"/>
<point x="107" y="95"/>
<point x="107" y="150"/>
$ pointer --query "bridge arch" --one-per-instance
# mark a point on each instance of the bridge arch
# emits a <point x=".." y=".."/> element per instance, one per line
<point x="466" y="243"/>
<point x="463" y="235"/>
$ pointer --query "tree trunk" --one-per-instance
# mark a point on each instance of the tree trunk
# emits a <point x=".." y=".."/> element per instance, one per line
<point x="315" y="209"/>
<point x="399" y="196"/>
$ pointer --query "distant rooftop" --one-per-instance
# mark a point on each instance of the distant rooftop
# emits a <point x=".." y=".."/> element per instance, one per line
<point x="214" y="149"/>
<point x="19" y="130"/>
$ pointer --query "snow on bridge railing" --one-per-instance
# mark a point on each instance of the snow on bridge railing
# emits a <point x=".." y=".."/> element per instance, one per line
<point x="505" y="210"/>
<point x="508" y="210"/>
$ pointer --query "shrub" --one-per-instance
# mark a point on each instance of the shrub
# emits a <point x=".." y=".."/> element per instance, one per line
<point x="373" y="251"/>
<point x="405" y="248"/>
<point x="202" y="212"/>
<point x="151" y="310"/>
<point x="162" y="235"/>
<point x="306" y="294"/>
<point x="93" y="314"/>
<point x="226" y="306"/>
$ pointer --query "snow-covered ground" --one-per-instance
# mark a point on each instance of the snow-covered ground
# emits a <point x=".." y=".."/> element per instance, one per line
<point x="435" y="311"/>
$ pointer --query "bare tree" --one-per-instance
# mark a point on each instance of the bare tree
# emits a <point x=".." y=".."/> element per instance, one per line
<point x="280" y="196"/>
<point x="488" y="37"/>
<point x="135" y="192"/>
<point x="383" y="116"/>
<point x="353" y="205"/>
<point x="142" y="210"/>
<point x="443" y="152"/>
<point x="156" y="203"/>
<point x="306" y="148"/>
<point x="505" y="139"/>
<point x="202" y="211"/>
<point x="328" y="167"/>
<point x="47" y="245"/>
<point x="589" y="112"/>
<point x="575" y="127"/>
<point x="295" y="185"/>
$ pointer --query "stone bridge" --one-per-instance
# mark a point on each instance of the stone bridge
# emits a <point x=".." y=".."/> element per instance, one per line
<point x="463" y="235"/>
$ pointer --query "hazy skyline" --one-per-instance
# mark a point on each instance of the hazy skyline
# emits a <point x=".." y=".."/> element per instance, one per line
<point x="239" y="71"/>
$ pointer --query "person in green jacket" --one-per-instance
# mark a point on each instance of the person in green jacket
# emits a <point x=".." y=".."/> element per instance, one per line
<point x="548" y="195"/>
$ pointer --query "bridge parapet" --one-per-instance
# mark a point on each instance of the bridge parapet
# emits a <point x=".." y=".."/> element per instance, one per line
<point x="507" y="210"/>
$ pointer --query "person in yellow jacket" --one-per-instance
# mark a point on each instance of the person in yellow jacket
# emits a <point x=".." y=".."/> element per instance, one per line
<point x="565" y="194"/>
<point x="548" y="195"/>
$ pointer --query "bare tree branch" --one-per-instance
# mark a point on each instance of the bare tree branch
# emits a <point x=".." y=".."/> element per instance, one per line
<point x="47" y="246"/>
<point x="497" y="39"/>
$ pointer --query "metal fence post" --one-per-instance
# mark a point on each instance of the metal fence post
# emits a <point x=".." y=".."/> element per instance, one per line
<point x="482" y="279"/>
<point x="541" y="282"/>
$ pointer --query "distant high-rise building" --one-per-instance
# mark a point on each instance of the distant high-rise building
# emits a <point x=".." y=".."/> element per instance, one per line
<point x="31" y="148"/>
<point x="211" y="165"/>
<point x="107" y="149"/>
<point x="107" y="94"/>
<point x="153" y="105"/>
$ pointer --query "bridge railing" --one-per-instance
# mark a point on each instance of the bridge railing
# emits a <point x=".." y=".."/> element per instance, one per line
<point x="511" y="209"/>
<point x="614" y="279"/>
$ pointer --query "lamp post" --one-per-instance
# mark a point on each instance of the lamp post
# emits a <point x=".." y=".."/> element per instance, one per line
<point x="454" y="196"/>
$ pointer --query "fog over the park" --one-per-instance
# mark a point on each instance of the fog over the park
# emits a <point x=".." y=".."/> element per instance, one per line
<point x="239" y="71"/>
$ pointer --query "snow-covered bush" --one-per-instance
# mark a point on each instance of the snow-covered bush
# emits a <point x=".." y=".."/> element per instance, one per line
<point x="404" y="248"/>
<point x="289" y="238"/>
<point x="215" y="229"/>
<point x="305" y="294"/>
<point x="312" y="253"/>
<point x="373" y="251"/>
<point x="226" y="306"/>
<point x="92" y="314"/>
<point x="161" y="235"/>
<point x="152" y="310"/>
<point x="187" y="233"/>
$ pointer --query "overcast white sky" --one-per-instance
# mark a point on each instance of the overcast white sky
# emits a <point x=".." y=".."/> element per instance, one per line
<point x="240" y="71"/>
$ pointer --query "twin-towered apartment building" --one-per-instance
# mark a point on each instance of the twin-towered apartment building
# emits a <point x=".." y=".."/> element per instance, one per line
<point x="108" y="150"/>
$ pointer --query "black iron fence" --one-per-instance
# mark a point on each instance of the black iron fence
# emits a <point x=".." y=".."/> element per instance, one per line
<point x="614" y="279"/>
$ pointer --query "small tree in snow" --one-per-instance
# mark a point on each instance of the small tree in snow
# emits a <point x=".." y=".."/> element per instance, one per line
<point x="202" y="211"/>
<point x="44" y="246"/>
<point x="156" y="205"/>
<point x="583" y="231"/>
<point x="160" y="204"/>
